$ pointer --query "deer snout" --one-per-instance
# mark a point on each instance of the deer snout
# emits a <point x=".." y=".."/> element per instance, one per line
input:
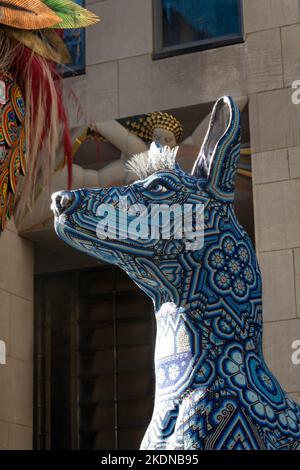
<point x="61" y="201"/>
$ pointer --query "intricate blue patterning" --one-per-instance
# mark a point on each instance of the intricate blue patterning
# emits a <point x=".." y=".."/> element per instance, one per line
<point x="213" y="388"/>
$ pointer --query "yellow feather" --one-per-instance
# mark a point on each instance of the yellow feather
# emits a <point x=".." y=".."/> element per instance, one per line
<point x="48" y="44"/>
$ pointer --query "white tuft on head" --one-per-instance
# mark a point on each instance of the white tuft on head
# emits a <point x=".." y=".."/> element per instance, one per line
<point x="156" y="158"/>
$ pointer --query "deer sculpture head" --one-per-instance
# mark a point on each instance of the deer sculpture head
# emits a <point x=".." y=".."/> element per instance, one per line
<point x="142" y="227"/>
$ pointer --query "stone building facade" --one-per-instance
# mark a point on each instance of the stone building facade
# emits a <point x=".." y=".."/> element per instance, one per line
<point x="122" y="79"/>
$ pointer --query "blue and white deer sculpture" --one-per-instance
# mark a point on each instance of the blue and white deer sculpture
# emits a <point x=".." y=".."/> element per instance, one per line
<point x="213" y="387"/>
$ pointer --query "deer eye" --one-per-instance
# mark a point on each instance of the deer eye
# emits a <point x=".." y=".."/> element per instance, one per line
<point x="157" y="188"/>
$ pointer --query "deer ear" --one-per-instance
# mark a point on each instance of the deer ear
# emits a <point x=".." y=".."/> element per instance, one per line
<point x="219" y="154"/>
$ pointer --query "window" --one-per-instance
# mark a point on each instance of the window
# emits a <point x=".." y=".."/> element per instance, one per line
<point x="75" y="42"/>
<point x="182" y="26"/>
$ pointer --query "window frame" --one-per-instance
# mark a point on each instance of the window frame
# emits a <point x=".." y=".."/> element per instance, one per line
<point x="160" y="52"/>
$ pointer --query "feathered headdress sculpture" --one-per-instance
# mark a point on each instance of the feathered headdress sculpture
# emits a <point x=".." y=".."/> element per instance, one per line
<point x="33" y="120"/>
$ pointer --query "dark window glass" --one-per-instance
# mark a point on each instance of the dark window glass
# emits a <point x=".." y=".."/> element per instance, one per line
<point x="75" y="41"/>
<point x="182" y="24"/>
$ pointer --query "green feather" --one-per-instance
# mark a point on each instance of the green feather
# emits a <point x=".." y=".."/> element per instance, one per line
<point x="72" y="15"/>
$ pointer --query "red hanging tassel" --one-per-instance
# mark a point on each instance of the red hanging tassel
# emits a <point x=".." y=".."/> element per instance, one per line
<point x="27" y="65"/>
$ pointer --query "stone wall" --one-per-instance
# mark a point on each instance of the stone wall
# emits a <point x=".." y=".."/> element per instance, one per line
<point x="16" y="330"/>
<point x="275" y="139"/>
